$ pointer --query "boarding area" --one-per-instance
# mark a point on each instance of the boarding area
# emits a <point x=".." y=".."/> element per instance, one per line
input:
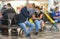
<point x="29" y="19"/>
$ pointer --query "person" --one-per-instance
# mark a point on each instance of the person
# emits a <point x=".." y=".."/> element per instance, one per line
<point x="9" y="9"/>
<point x="19" y="9"/>
<point x="33" y="5"/>
<point x="38" y="19"/>
<point x="23" y="20"/>
<point x="56" y="16"/>
<point x="3" y="8"/>
<point x="1" y="18"/>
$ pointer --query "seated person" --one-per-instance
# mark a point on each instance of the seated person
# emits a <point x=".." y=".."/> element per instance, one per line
<point x="56" y="15"/>
<point x="38" y="20"/>
<point x="9" y="9"/>
<point x="23" y="20"/>
<point x="0" y="18"/>
<point x="3" y="8"/>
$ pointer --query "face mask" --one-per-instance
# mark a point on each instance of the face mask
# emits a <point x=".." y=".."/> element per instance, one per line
<point x="37" y="11"/>
<point x="29" y="9"/>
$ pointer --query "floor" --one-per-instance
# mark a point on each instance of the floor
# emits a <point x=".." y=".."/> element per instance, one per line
<point x="47" y="34"/>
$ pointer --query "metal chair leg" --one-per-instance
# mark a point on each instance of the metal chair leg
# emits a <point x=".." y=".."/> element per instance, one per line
<point x="51" y="27"/>
<point x="21" y="33"/>
<point x="9" y="32"/>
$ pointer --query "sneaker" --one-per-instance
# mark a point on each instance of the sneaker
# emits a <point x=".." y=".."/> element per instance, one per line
<point x="40" y="30"/>
<point x="36" y="33"/>
<point x="44" y="27"/>
<point x="28" y="35"/>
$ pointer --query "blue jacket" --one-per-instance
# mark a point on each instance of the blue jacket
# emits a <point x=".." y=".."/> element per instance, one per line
<point x="24" y="14"/>
<point x="54" y="14"/>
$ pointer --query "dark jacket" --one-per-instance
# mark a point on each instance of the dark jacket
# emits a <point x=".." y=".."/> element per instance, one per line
<point x="5" y="16"/>
<point x="24" y="14"/>
<point x="9" y="10"/>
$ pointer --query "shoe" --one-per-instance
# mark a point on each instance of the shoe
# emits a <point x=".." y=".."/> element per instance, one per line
<point x="44" y="27"/>
<point x="40" y="30"/>
<point x="28" y="35"/>
<point x="36" y="33"/>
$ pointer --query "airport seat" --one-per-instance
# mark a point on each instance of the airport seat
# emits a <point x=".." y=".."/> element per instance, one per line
<point x="6" y="27"/>
<point x="14" y="28"/>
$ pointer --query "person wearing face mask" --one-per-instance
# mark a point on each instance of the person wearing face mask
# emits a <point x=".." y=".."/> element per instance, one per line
<point x="38" y="20"/>
<point x="1" y="18"/>
<point x="23" y="20"/>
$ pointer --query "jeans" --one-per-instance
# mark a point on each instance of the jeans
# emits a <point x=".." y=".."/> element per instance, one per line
<point x="23" y="26"/>
<point x="38" y="24"/>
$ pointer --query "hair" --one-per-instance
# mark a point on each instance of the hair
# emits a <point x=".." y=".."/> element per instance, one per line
<point x="33" y="5"/>
<point x="37" y="7"/>
<point x="56" y="8"/>
<point x="8" y="4"/>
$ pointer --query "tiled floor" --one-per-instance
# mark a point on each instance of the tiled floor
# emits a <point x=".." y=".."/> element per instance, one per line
<point x="47" y="34"/>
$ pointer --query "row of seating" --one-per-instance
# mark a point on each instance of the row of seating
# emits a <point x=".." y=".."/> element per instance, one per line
<point x="12" y="27"/>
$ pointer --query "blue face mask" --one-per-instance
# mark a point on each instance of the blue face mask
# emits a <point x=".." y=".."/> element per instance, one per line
<point x="31" y="11"/>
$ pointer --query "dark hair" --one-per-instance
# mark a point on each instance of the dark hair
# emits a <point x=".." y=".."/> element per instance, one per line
<point x="56" y="8"/>
<point x="33" y="5"/>
<point x="8" y="4"/>
<point x="37" y="7"/>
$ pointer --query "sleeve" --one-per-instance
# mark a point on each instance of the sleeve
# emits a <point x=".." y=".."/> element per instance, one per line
<point x="53" y="14"/>
<point x="13" y="10"/>
<point x="5" y="15"/>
